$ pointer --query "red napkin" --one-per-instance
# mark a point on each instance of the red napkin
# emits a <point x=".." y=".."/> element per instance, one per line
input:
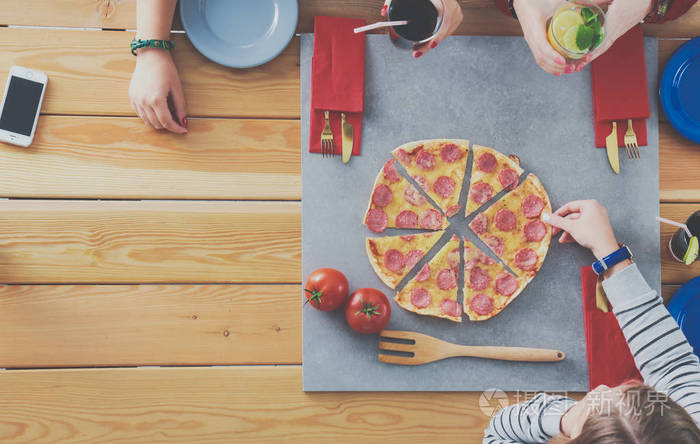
<point x="620" y="92"/>
<point x="337" y="79"/>
<point x="609" y="359"/>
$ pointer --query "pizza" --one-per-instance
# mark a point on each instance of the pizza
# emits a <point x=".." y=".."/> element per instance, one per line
<point x="433" y="291"/>
<point x="393" y="257"/>
<point x="396" y="203"/>
<point x="512" y="228"/>
<point x="438" y="166"/>
<point x="488" y="287"/>
<point x="492" y="172"/>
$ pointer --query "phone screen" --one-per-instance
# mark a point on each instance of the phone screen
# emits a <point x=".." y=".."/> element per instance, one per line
<point x="21" y="105"/>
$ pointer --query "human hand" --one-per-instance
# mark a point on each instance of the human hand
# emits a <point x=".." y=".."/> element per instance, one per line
<point x="453" y="17"/>
<point x="533" y="16"/>
<point x="155" y="88"/>
<point x="585" y="222"/>
<point x="622" y="15"/>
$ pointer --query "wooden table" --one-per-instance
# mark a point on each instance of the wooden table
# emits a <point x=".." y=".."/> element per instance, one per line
<point x="123" y="248"/>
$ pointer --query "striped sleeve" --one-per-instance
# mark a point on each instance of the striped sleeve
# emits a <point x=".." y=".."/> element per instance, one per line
<point x="533" y="421"/>
<point x="661" y="351"/>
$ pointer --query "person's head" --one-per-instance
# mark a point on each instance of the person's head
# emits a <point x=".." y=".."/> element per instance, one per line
<point x="632" y="413"/>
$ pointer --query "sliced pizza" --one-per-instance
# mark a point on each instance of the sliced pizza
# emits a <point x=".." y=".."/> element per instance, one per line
<point x="488" y="287"/>
<point x="433" y="291"/>
<point x="438" y="166"/>
<point x="492" y="172"/>
<point x="393" y="257"/>
<point x="512" y="228"/>
<point x="396" y="203"/>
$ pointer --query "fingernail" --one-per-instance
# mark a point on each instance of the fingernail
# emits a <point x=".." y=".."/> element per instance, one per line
<point x="384" y="8"/>
<point x="569" y="69"/>
<point x="560" y="61"/>
<point x="546" y="217"/>
<point x="433" y="44"/>
<point x="184" y="122"/>
<point x="417" y="54"/>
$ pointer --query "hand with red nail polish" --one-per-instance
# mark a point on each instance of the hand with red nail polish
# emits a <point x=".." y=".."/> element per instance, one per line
<point x="452" y="19"/>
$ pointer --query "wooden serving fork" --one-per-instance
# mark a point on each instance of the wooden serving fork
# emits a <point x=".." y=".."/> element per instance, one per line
<point x="428" y="349"/>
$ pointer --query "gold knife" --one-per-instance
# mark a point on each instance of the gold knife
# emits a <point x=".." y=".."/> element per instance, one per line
<point x="347" y="139"/>
<point x="611" y="145"/>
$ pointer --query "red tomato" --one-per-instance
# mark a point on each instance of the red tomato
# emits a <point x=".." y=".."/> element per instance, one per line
<point x="326" y="289"/>
<point x="368" y="311"/>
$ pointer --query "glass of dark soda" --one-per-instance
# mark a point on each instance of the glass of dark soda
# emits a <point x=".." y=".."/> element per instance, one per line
<point x="680" y="241"/>
<point x="425" y="19"/>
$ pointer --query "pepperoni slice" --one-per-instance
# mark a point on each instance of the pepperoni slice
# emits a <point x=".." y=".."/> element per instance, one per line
<point x="506" y="284"/>
<point x="376" y="220"/>
<point x="505" y="220"/>
<point x="508" y="178"/>
<point x="526" y="259"/>
<point x="534" y="230"/>
<point x="452" y="210"/>
<point x="422" y="181"/>
<point x="481" y="192"/>
<point x="413" y="196"/>
<point x="487" y="162"/>
<point x="495" y="244"/>
<point x="450" y="308"/>
<point x="382" y="196"/>
<point x="469" y="264"/>
<point x="407" y="219"/>
<point x="390" y="172"/>
<point x="446" y="279"/>
<point x="532" y="206"/>
<point x="408" y="237"/>
<point x="403" y="156"/>
<point x="444" y="186"/>
<point x="425" y="160"/>
<point x="480" y="223"/>
<point x="424" y="274"/>
<point x="394" y="260"/>
<point x="485" y="258"/>
<point x="481" y="304"/>
<point x="479" y="279"/>
<point x="420" y="297"/>
<point x="430" y="219"/>
<point x="412" y="258"/>
<point x="450" y="153"/>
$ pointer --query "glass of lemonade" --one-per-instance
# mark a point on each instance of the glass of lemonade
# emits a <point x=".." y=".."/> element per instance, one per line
<point x="576" y="28"/>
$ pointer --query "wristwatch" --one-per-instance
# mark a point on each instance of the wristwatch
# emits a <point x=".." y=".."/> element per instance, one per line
<point x="612" y="259"/>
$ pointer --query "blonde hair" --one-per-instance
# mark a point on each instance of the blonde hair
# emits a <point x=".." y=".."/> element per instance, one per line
<point x="649" y="417"/>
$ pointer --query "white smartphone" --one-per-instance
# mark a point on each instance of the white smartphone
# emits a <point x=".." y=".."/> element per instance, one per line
<point x="21" y="104"/>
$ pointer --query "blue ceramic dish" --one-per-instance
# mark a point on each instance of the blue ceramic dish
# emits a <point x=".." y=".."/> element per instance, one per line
<point x="239" y="33"/>
<point x="680" y="90"/>
<point x="684" y="306"/>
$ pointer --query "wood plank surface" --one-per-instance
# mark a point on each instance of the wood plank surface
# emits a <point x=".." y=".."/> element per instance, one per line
<point x="123" y="325"/>
<point x="149" y="242"/>
<point x="480" y="16"/>
<point x="119" y="157"/>
<point x="89" y="74"/>
<point x="232" y="404"/>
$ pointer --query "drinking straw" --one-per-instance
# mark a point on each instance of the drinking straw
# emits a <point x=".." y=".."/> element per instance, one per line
<point x="380" y="25"/>
<point x="676" y="224"/>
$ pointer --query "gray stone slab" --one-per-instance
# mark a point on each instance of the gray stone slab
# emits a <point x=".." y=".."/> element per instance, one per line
<point x="490" y="91"/>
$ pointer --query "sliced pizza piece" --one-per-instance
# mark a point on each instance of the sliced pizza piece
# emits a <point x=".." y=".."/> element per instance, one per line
<point x="393" y="257"/>
<point x="438" y="166"/>
<point x="433" y="291"/>
<point x="492" y="172"/>
<point x="396" y="203"/>
<point x="488" y="287"/>
<point x="512" y="228"/>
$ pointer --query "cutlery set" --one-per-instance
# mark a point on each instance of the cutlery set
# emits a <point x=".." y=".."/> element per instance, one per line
<point x="327" y="143"/>
<point x="631" y="146"/>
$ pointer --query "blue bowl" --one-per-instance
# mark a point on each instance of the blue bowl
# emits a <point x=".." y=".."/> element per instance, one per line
<point x="240" y="33"/>
<point x="680" y="90"/>
<point x="684" y="306"/>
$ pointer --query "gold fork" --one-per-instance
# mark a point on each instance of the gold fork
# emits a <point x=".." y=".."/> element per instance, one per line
<point x="424" y="349"/>
<point x="631" y="145"/>
<point x="327" y="148"/>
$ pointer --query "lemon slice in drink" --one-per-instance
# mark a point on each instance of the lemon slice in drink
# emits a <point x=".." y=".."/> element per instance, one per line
<point x="564" y="28"/>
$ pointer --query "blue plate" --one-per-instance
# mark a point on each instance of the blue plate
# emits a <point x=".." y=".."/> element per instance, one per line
<point x="239" y="33"/>
<point x="680" y="90"/>
<point x="685" y="309"/>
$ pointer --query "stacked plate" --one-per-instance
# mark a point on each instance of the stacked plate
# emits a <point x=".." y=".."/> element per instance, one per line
<point x="685" y="309"/>
<point x="680" y="90"/>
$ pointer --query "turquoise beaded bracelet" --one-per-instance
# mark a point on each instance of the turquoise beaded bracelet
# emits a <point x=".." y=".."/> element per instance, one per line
<point x="153" y="43"/>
